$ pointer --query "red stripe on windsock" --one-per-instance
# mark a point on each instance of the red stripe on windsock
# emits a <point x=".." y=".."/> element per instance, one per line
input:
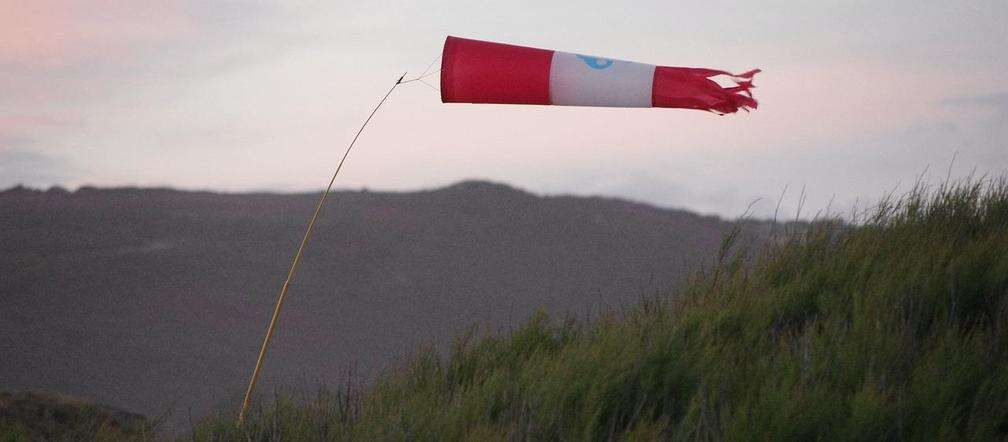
<point x="692" y="88"/>
<point x="474" y="71"/>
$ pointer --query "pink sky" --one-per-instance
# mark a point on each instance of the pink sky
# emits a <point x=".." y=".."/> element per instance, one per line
<point x="55" y="33"/>
<point x="856" y="98"/>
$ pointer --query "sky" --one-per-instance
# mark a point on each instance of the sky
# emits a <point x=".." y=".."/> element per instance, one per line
<point x="858" y="99"/>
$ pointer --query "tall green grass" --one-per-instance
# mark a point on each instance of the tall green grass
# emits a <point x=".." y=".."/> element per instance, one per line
<point x="891" y="327"/>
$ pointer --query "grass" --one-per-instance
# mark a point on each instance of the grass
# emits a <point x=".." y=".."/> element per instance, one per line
<point x="893" y="327"/>
<point x="30" y="416"/>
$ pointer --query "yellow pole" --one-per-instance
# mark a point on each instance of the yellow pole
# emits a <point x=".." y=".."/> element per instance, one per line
<point x="297" y="259"/>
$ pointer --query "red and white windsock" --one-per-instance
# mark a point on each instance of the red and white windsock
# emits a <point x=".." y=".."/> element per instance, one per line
<point x="474" y="71"/>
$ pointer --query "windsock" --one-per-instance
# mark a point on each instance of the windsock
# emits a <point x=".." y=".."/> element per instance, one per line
<point x="474" y="71"/>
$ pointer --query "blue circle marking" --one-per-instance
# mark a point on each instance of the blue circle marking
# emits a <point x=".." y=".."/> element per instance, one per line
<point x="595" y="62"/>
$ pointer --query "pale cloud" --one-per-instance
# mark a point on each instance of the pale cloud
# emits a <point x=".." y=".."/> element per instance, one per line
<point x="21" y="130"/>
<point x="31" y="168"/>
<point x="996" y="102"/>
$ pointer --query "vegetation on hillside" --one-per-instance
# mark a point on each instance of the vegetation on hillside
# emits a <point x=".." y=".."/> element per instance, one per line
<point x="36" y="416"/>
<point x="893" y="328"/>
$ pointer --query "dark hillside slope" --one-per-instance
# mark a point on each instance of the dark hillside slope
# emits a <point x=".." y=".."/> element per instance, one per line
<point x="31" y="416"/>
<point x="895" y="330"/>
<point x="145" y="298"/>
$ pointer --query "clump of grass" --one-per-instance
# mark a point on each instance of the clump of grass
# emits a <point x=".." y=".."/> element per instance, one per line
<point x="31" y="416"/>
<point x="891" y="327"/>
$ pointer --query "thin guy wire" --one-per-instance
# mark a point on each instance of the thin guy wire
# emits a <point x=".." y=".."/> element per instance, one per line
<point x="429" y="85"/>
<point x="424" y="74"/>
<point x="421" y="78"/>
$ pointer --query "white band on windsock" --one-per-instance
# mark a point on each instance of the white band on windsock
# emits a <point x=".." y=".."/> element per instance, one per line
<point x="581" y="80"/>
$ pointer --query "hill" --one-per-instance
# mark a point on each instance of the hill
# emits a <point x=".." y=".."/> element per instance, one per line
<point x="155" y="299"/>
<point x="893" y="329"/>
